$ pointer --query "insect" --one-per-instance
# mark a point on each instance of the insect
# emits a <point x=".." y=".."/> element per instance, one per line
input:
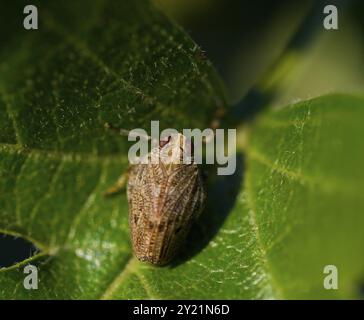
<point x="164" y="199"/>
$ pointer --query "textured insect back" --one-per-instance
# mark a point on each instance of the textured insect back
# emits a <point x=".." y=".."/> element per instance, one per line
<point x="165" y="197"/>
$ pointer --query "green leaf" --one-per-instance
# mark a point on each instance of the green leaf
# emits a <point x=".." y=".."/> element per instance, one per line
<point x="121" y="62"/>
<point x="303" y="191"/>
<point x="300" y="209"/>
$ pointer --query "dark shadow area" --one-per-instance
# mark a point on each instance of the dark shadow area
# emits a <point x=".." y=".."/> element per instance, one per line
<point x="222" y="192"/>
<point x="256" y="100"/>
<point x="252" y="104"/>
<point x="361" y="290"/>
<point x="14" y="250"/>
<point x="225" y="27"/>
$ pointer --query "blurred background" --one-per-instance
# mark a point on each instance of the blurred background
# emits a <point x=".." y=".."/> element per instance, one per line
<point x="280" y="43"/>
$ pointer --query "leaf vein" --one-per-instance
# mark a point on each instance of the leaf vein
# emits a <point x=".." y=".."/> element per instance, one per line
<point x="274" y="287"/>
<point x="87" y="203"/>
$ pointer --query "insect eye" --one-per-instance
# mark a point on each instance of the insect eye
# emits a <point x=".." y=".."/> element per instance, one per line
<point x="162" y="143"/>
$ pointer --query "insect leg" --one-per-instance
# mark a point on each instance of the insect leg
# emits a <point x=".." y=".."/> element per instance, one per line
<point x="215" y="124"/>
<point x="126" y="133"/>
<point x="121" y="132"/>
<point x="119" y="186"/>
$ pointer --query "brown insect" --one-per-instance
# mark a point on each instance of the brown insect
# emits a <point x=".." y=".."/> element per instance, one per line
<point x="164" y="199"/>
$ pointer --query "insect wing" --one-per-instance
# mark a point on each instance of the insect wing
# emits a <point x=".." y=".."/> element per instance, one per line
<point x="163" y="203"/>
